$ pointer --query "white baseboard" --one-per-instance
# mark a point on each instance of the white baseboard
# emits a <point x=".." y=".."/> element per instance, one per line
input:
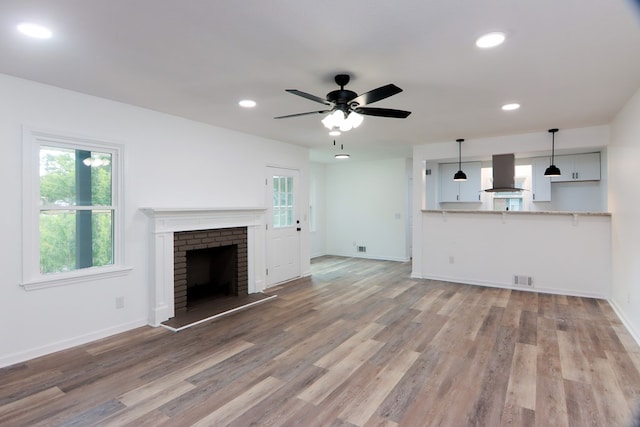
<point x="510" y="286"/>
<point x="32" y="353"/>
<point x="625" y="321"/>
<point x="369" y="256"/>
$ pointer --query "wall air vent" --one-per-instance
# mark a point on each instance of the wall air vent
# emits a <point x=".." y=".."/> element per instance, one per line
<point x="522" y="280"/>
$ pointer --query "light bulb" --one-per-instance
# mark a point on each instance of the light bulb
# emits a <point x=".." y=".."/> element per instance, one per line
<point x="356" y="119"/>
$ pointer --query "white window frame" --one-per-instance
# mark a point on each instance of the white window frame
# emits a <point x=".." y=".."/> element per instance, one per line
<point x="32" y="140"/>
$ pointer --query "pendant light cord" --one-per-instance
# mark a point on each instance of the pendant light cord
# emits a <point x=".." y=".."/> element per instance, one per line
<point x="553" y="144"/>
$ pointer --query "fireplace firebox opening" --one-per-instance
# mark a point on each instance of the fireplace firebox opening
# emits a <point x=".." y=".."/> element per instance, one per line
<point x="209" y="264"/>
<point x="211" y="272"/>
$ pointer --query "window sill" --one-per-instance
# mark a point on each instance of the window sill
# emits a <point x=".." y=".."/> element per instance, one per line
<point x="74" y="277"/>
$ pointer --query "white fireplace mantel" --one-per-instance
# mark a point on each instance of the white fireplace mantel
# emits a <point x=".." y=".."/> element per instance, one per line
<point x="166" y="221"/>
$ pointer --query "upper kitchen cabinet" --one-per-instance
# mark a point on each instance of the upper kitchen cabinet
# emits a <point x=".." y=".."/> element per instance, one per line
<point x="578" y="167"/>
<point x="460" y="191"/>
<point x="540" y="184"/>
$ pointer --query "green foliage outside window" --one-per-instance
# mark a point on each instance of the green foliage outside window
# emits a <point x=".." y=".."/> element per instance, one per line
<point x="61" y="234"/>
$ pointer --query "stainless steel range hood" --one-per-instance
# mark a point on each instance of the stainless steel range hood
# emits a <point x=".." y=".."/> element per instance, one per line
<point x="504" y="172"/>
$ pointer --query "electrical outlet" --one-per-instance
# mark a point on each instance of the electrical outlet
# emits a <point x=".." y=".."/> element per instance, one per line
<point x="119" y="302"/>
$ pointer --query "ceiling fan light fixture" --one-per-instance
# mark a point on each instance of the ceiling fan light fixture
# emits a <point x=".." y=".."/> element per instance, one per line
<point x="95" y="161"/>
<point x="490" y="40"/>
<point x="333" y="120"/>
<point x="338" y="120"/>
<point x="355" y="118"/>
<point x="346" y="126"/>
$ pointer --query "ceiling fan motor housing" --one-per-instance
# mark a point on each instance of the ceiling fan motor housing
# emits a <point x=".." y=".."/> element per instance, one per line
<point x="341" y="98"/>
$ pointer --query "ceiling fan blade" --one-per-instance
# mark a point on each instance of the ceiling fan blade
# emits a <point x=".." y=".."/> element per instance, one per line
<point x="302" y="114"/>
<point x="376" y="95"/>
<point x="308" y="96"/>
<point x="383" y="112"/>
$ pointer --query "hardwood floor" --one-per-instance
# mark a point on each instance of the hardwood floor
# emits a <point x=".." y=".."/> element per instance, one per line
<point x="358" y="344"/>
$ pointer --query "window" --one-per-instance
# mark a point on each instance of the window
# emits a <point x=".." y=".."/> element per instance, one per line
<point x="507" y="204"/>
<point x="71" y="208"/>
<point x="282" y="201"/>
<point x="510" y="200"/>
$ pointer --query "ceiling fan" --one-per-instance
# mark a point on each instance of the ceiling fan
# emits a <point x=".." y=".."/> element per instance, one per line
<point x="348" y="102"/>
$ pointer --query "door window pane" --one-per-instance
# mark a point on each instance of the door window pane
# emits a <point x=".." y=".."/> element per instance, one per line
<point x="282" y="201"/>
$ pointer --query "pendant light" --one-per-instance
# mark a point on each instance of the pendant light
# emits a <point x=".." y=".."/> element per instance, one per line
<point x="552" y="170"/>
<point x="460" y="176"/>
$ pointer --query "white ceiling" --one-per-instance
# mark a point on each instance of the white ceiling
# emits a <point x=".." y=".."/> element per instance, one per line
<point x="570" y="63"/>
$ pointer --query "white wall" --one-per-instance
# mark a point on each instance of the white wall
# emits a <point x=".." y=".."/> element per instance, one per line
<point x="624" y="202"/>
<point x="169" y="162"/>
<point x="563" y="254"/>
<point x="367" y="205"/>
<point x="317" y="198"/>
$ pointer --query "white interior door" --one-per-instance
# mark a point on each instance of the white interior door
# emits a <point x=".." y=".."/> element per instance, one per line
<point x="283" y="226"/>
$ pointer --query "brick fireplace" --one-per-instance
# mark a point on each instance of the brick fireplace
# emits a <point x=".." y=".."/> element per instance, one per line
<point x="201" y="229"/>
<point x="209" y="264"/>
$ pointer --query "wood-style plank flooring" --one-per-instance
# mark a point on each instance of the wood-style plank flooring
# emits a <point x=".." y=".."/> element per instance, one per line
<point x="358" y="344"/>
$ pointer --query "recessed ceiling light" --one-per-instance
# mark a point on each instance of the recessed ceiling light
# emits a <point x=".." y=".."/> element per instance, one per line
<point x="335" y="133"/>
<point x="247" y="103"/>
<point x="342" y="156"/>
<point x="34" y="30"/>
<point x="509" y="107"/>
<point x="490" y="40"/>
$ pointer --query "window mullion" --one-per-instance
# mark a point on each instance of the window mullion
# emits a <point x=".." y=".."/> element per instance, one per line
<point x="84" y="234"/>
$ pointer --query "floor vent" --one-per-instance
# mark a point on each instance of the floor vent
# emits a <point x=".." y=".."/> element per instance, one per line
<point x="522" y="280"/>
<point x="362" y="249"/>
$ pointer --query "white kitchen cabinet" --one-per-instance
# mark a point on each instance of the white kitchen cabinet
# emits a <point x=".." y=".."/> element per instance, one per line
<point x="578" y="167"/>
<point x="460" y="191"/>
<point x="540" y="184"/>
